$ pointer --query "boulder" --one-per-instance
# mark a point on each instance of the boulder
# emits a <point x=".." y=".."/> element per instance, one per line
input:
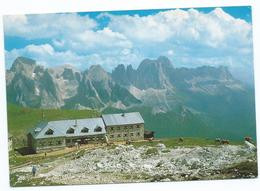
<point x="161" y="146"/>
<point x="250" y="146"/>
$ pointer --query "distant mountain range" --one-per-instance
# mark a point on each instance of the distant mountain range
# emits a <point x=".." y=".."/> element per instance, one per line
<point x="201" y="99"/>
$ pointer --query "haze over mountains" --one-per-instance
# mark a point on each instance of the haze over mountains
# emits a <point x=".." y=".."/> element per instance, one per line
<point x="186" y="101"/>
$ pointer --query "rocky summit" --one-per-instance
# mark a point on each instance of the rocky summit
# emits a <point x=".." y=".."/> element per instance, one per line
<point x="155" y="83"/>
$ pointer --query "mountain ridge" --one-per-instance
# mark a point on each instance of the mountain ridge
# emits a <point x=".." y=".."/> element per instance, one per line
<point x="202" y="101"/>
<point x="158" y="77"/>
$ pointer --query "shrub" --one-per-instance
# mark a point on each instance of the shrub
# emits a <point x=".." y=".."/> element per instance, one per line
<point x="152" y="151"/>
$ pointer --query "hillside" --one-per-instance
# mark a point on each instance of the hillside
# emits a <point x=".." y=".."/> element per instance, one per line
<point x="21" y="119"/>
<point x="184" y="122"/>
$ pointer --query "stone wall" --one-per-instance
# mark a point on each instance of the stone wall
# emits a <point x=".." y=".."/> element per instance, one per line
<point x="125" y="132"/>
<point x="70" y="141"/>
<point x="49" y="143"/>
<point x="52" y="143"/>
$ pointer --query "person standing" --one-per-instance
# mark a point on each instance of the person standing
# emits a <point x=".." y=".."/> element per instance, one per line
<point x="33" y="170"/>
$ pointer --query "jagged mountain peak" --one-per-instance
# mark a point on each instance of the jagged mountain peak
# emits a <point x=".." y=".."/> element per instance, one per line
<point x="220" y="72"/>
<point x="23" y="65"/>
<point x="161" y="61"/>
<point x="164" y="60"/>
<point x="97" y="73"/>
<point x="60" y="69"/>
<point x="155" y="80"/>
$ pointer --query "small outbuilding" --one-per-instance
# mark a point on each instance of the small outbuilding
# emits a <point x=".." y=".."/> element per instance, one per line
<point x="148" y="134"/>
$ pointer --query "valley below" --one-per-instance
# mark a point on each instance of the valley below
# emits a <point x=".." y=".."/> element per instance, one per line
<point x="142" y="162"/>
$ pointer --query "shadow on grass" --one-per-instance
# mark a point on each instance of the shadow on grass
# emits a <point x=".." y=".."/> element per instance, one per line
<point x="25" y="151"/>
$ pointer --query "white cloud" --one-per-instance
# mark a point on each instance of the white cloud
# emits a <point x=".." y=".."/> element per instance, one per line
<point x="46" y="25"/>
<point x="215" y="29"/>
<point x="45" y="55"/>
<point x="91" y="41"/>
<point x="188" y="37"/>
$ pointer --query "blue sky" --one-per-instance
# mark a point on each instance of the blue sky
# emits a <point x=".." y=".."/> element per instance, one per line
<point x="188" y="37"/>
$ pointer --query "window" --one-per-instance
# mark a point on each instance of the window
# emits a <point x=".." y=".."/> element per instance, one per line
<point x="111" y="136"/>
<point x="70" y="131"/>
<point x="125" y="135"/>
<point x="138" y="134"/>
<point x="59" y="142"/>
<point x="132" y="134"/>
<point x="138" y="126"/>
<point x="98" y="129"/>
<point x="84" y="130"/>
<point x="119" y="135"/>
<point x="111" y="128"/>
<point x="49" y="132"/>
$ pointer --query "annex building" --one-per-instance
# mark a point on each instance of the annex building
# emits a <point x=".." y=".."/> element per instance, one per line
<point x="65" y="133"/>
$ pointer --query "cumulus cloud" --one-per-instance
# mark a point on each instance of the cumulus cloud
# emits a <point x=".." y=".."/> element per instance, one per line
<point x="216" y="28"/>
<point x="188" y="37"/>
<point x="100" y="40"/>
<point x="45" y="55"/>
<point x="46" y="25"/>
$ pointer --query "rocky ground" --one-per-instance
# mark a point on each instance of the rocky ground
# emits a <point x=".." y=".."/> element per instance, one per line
<point x="126" y="163"/>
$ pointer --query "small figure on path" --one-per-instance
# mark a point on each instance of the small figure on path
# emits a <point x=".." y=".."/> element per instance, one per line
<point x="33" y="170"/>
<point x="77" y="145"/>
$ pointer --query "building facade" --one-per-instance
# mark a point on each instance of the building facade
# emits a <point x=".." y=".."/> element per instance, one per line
<point x="124" y="126"/>
<point x="66" y="133"/>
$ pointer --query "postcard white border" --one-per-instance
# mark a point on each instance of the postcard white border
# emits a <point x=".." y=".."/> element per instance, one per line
<point x="14" y="7"/>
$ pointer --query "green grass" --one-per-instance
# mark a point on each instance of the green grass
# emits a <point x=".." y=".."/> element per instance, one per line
<point x="15" y="159"/>
<point x="187" y="142"/>
<point x="30" y="181"/>
<point x="245" y="169"/>
<point x="21" y="119"/>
